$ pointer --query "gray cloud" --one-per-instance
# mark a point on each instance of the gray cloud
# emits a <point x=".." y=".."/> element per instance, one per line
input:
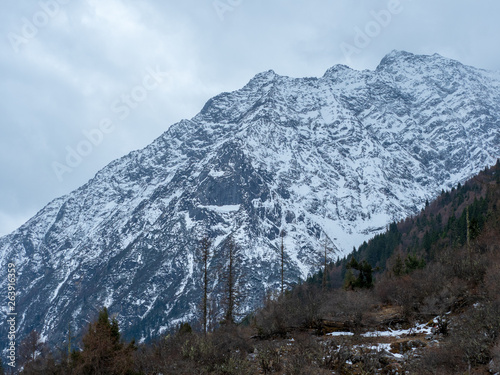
<point x="86" y="55"/>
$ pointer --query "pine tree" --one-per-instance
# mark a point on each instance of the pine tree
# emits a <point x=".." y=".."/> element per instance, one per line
<point x="412" y="263"/>
<point x="324" y="279"/>
<point x="103" y="351"/>
<point x="364" y="278"/>
<point x="365" y="275"/>
<point x="349" y="280"/>
<point x="326" y="250"/>
<point x="398" y="268"/>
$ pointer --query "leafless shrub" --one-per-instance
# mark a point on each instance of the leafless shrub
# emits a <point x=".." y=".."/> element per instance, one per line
<point x="476" y="331"/>
<point x="349" y="307"/>
<point x="336" y="353"/>
<point x="463" y="263"/>
<point x="404" y="293"/>
<point x="439" y="361"/>
<point x="491" y="280"/>
<point x="269" y="357"/>
<point x="305" y="356"/>
<point x="368" y="360"/>
<point x="222" y="352"/>
<point x="495" y="358"/>
<point x="274" y="318"/>
<point x="305" y="303"/>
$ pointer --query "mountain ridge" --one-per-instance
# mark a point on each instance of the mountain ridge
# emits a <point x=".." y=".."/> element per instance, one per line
<point x="333" y="158"/>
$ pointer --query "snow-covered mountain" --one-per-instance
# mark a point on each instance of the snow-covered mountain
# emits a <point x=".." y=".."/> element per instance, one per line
<point x="333" y="158"/>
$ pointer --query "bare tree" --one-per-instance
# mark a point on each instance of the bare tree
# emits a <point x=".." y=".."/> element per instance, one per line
<point x="31" y="347"/>
<point x="230" y="277"/>
<point x="282" y="263"/>
<point x="327" y="250"/>
<point x="69" y="342"/>
<point x="205" y="255"/>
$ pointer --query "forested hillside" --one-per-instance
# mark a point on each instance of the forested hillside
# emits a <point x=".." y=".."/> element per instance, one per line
<point x="455" y="218"/>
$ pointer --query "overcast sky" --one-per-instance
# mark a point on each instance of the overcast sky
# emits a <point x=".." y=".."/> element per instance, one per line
<point x="84" y="82"/>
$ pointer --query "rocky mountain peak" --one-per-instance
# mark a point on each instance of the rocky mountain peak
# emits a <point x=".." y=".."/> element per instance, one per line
<point x="333" y="159"/>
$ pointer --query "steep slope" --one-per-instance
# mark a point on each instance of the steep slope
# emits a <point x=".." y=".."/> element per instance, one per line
<point x="442" y="224"/>
<point x="335" y="157"/>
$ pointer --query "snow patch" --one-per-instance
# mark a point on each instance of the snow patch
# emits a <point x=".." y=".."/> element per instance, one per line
<point x="216" y="174"/>
<point x="222" y="209"/>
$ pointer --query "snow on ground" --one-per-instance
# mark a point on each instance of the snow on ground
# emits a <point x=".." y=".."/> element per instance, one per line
<point x="418" y="329"/>
<point x="335" y="334"/>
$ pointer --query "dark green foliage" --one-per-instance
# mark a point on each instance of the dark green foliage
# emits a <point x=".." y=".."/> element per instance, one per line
<point x="316" y="278"/>
<point x="185" y="329"/>
<point x="363" y="277"/>
<point x="349" y="280"/>
<point x="103" y="352"/>
<point x="398" y="269"/>
<point x="411" y="263"/>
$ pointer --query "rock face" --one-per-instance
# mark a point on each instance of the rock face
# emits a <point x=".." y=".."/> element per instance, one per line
<point x="336" y="158"/>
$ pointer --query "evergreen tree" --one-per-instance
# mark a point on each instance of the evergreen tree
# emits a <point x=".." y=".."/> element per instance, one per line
<point x="364" y="278"/>
<point x="349" y="280"/>
<point x="398" y="268"/>
<point x="185" y="329"/>
<point x="412" y="263"/>
<point x="103" y="352"/>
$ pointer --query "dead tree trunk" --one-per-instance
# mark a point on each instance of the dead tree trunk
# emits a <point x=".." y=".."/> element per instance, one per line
<point x="205" y="257"/>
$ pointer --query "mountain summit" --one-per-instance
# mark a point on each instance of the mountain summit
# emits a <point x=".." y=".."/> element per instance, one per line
<point x="329" y="160"/>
